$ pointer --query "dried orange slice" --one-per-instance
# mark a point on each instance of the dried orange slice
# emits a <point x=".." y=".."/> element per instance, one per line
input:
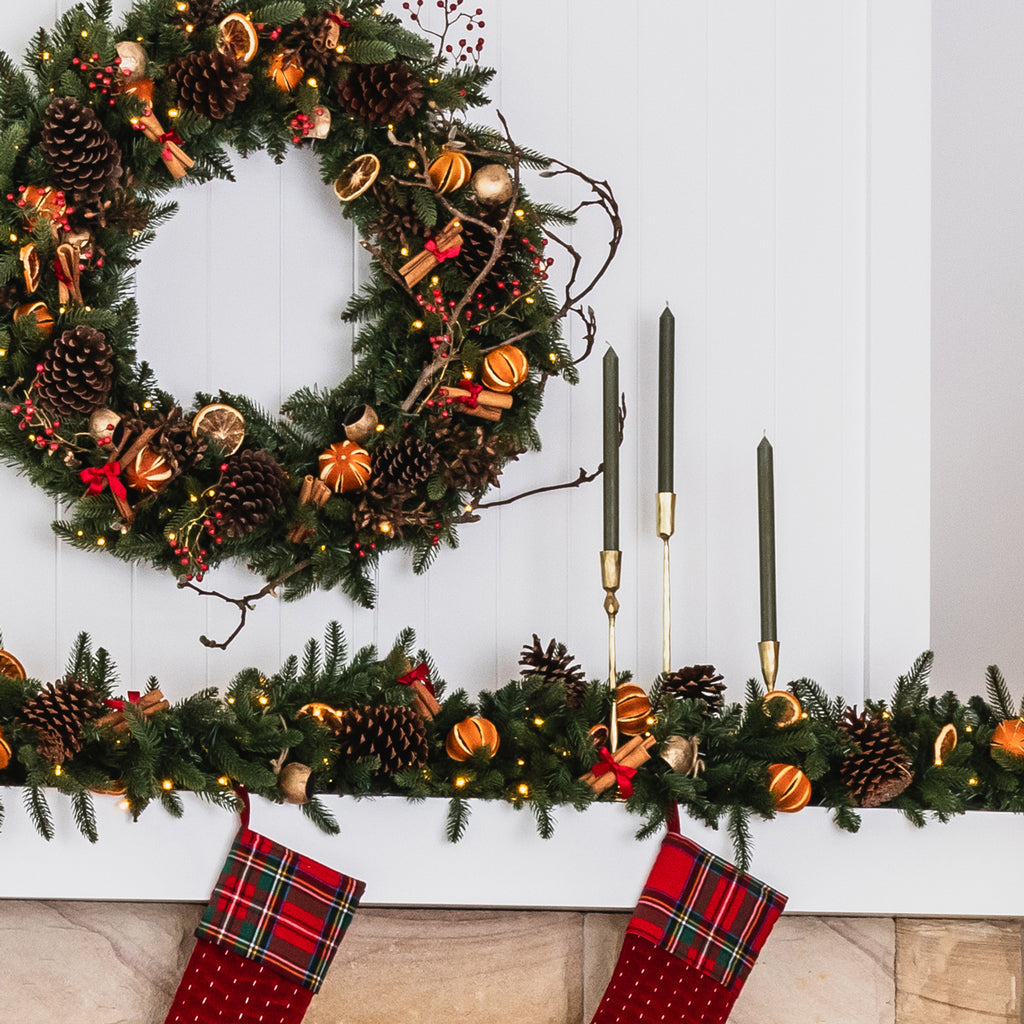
<point x="10" y="666"/>
<point x="31" y="266"/>
<point x="792" y="711"/>
<point x="318" y="710"/>
<point x="945" y="742"/>
<point x="236" y="37"/>
<point x="357" y="177"/>
<point x="222" y="424"/>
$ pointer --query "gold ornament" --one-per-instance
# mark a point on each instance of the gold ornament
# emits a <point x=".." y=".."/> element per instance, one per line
<point x="681" y="755"/>
<point x="133" y="60"/>
<point x="320" y="123"/>
<point x="360" y="423"/>
<point x="294" y="783"/>
<point x="492" y="184"/>
<point x="105" y="426"/>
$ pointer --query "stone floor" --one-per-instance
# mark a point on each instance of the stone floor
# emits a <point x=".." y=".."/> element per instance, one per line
<point x="115" y="963"/>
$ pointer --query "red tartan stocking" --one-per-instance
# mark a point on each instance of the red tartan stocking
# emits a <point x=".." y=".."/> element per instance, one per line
<point x="693" y="939"/>
<point x="267" y="937"/>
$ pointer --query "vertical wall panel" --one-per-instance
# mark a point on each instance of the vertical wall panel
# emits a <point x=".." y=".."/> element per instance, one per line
<point x="767" y="158"/>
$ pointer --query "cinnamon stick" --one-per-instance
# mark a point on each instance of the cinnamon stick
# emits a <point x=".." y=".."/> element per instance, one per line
<point x="632" y="755"/>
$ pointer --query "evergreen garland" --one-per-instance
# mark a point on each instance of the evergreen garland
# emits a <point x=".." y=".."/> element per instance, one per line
<point x="74" y="253"/>
<point x="208" y="744"/>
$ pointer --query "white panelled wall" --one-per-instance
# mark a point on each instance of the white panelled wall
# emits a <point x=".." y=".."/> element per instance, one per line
<point x="772" y="162"/>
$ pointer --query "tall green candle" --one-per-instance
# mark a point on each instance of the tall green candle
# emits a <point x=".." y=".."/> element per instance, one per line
<point x="611" y="450"/>
<point x="666" y="400"/>
<point x="766" y="537"/>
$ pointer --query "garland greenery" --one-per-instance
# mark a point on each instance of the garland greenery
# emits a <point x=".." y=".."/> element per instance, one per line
<point x="208" y="744"/>
<point x="106" y="119"/>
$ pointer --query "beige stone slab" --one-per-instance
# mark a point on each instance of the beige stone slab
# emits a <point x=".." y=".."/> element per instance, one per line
<point x="602" y="938"/>
<point x="92" y="963"/>
<point x="426" y="966"/>
<point x="832" y="970"/>
<point x="958" y="971"/>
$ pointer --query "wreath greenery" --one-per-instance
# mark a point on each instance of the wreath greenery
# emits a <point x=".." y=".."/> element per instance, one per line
<point x="451" y="366"/>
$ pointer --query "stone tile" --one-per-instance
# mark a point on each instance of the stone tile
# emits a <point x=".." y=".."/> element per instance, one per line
<point x="958" y="971"/>
<point x="489" y="967"/>
<point x="602" y="938"/>
<point x="92" y="963"/>
<point x="822" y="969"/>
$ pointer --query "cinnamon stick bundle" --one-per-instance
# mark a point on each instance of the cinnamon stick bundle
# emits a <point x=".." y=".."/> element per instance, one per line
<point x="632" y="755"/>
<point x="149" y="704"/>
<point x="450" y="237"/>
<point x="315" y="491"/>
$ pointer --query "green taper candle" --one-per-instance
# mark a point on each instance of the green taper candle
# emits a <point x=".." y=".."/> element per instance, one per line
<point x="766" y="537"/>
<point x="611" y="450"/>
<point x="666" y="400"/>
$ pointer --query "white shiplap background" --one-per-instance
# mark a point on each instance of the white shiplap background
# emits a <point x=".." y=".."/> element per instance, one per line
<point x="772" y="163"/>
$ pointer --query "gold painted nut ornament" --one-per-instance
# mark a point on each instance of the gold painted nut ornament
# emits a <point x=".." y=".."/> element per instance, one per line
<point x="450" y="171"/>
<point x="360" y="423"/>
<point x="504" y="369"/>
<point x="680" y="753"/>
<point x="344" y="466"/>
<point x="492" y="184"/>
<point x="133" y="60"/>
<point x="105" y="426"/>
<point x="295" y="783"/>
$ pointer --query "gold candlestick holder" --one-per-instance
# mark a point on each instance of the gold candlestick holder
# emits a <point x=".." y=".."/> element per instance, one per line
<point x="611" y="574"/>
<point x="768" y="651"/>
<point x="666" y="526"/>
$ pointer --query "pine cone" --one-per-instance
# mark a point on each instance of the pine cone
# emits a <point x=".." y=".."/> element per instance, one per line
<point x="211" y="84"/>
<point x="395" y="734"/>
<point x="251" y="490"/>
<point x="10" y="295"/>
<point x="308" y="38"/>
<point x="84" y="158"/>
<point x="197" y="13"/>
<point x="478" y="247"/>
<point x="380" y="93"/>
<point x="385" y="512"/>
<point x="57" y="714"/>
<point x="173" y="439"/>
<point x="77" y="372"/>
<point x="471" y="459"/>
<point x="699" y="682"/>
<point x="403" y="466"/>
<point x="881" y="770"/>
<point x="554" y="665"/>
<point x="397" y="219"/>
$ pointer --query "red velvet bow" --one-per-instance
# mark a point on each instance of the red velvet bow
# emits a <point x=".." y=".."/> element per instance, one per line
<point x="338" y="20"/>
<point x="97" y="477"/>
<point x="118" y="705"/>
<point x="61" y="276"/>
<point x="418" y="675"/>
<point x="171" y="136"/>
<point x="623" y="773"/>
<point x="442" y="254"/>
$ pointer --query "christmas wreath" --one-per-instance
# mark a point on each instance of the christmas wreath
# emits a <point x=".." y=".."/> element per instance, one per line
<point x="460" y="329"/>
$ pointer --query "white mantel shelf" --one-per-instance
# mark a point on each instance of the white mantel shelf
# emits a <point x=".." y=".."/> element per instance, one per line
<point x="399" y="849"/>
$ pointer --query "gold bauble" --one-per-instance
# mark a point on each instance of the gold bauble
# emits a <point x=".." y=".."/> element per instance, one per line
<point x="104" y="424"/>
<point x="492" y="184"/>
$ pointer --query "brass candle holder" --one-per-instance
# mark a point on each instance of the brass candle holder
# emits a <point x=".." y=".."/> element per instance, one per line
<point x="666" y="526"/>
<point x="768" y="651"/>
<point x="611" y="574"/>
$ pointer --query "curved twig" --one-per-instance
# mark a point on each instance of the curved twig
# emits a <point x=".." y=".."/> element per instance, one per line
<point x="244" y="604"/>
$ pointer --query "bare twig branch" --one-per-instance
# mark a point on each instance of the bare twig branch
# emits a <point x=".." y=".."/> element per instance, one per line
<point x="244" y="604"/>
<point x="583" y="478"/>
